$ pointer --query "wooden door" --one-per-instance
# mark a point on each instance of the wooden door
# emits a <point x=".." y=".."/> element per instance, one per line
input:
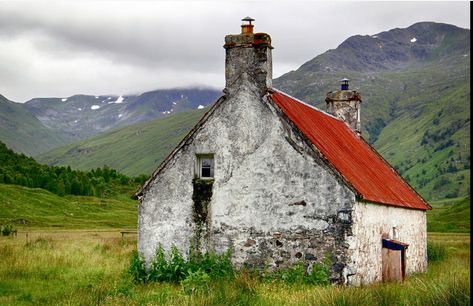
<point x="392" y="262"/>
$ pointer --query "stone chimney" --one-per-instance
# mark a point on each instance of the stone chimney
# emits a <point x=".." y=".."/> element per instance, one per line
<point x="248" y="58"/>
<point x="346" y="105"/>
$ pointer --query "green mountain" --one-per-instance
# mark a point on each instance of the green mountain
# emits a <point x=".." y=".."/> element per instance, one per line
<point x="22" y="132"/>
<point x="133" y="150"/>
<point x="414" y="84"/>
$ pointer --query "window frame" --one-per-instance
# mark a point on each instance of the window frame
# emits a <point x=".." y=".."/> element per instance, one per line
<point x="200" y="159"/>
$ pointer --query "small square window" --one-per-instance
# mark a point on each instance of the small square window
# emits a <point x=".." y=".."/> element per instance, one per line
<point x="205" y="165"/>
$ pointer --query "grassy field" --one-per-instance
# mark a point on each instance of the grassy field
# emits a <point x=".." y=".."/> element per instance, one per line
<point x="451" y="215"/>
<point x="87" y="268"/>
<point x="34" y="208"/>
<point x="69" y="251"/>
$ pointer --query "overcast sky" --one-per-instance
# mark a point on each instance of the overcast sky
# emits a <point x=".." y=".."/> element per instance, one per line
<point x="57" y="49"/>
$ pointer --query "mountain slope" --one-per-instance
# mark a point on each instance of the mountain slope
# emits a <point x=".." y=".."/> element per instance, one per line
<point x="82" y="116"/>
<point x="414" y="83"/>
<point x="133" y="150"/>
<point x="22" y="132"/>
<point x="449" y="216"/>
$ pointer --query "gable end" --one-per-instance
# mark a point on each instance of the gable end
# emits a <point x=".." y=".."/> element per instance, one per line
<point x="139" y="193"/>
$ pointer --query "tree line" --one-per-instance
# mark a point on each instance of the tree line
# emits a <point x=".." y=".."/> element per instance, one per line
<point x="20" y="169"/>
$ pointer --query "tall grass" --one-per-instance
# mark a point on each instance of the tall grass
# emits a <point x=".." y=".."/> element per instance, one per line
<point x="436" y="251"/>
<point x="83" y="268"/>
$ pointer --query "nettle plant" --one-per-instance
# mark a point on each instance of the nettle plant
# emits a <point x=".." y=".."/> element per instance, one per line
<point x="197" y="272"/>
<point x="174" y="268"/>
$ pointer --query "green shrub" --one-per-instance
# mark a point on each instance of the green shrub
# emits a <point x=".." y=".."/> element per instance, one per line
<point x="217" y="266"/>
<point x="436" y="251"/>
<point x="290" y="275"/>
<point x="159" y="266"/>
<point x="195" y="273"/>
<point x="137" y="268"/>
<point x="197" y="281"/>
<point x="7" y="230"/>
<point x="176" y="269"/>
<point x="320" y="274"/>
<point x="296" y="274"/>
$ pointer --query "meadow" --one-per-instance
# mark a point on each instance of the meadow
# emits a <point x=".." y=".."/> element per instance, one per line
<point x="69" y="251"/>
<point x="80" y="267"/>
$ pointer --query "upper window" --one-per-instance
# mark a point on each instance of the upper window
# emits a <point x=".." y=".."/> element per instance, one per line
<point x="206" y="166"/>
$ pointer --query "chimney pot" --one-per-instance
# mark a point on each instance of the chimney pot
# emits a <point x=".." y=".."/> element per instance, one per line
<point x="344" y="84"/>
<point x="246" y="26"/>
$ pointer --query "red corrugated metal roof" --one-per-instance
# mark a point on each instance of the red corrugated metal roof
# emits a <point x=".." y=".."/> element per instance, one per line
<point x="350" y="155"/>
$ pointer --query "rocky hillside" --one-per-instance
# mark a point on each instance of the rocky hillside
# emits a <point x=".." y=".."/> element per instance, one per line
<point x="415" y="88"/>
<point x="22" y="132"/>
<point x="82" y="116"/>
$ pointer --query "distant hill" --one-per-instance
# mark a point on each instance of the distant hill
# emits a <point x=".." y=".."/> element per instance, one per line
<point x="24" y="133"/>
<point x="19" y="169"/>
<point x="415" y="86"/>
<point x="82" y="116"/>
<point x="133" y="150"/>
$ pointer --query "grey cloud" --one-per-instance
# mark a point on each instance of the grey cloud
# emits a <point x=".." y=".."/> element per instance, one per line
<point x="63" y="48"/>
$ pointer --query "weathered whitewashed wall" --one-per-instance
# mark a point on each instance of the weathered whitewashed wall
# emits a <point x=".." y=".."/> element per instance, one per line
<point x="261" y="179"/>
<point x="274" y="202"/>
<point x="371" y="223"/>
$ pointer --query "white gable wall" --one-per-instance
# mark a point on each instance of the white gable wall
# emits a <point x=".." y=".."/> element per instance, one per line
<point x="372" y="222"/>
<point x="260" y="178"/>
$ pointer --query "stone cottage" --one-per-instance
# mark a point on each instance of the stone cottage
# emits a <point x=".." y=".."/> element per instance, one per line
<point x="279" y="181"/>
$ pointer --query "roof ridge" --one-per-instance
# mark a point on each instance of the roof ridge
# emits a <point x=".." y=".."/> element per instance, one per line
<point x="307" y="104"/>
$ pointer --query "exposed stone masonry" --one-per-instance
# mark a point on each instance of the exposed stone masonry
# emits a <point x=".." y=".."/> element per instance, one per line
<point x="346" y="105"/>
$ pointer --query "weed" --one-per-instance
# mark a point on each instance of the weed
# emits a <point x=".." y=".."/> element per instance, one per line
<point x="436" y="251"/>
<point x="197" y="281"/>
<point x="246" y="281"/>
<point x="296" y="274"/>
<point x="137" y="268"/>
<point x="7" y="230"/>
<point x="319" y="275"/>
<point x="176" y="268"/>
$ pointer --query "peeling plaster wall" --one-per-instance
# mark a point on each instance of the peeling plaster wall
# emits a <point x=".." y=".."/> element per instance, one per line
<point x="371" y="223"/>
<point x="273" y="202"/>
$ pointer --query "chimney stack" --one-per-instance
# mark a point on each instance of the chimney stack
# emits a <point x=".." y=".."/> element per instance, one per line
<point x="346" y="105"/>
<point x="248" y="58"/>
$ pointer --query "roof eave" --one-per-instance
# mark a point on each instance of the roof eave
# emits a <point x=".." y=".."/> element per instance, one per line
<point x="428" y="206"/>
<point x="314" y="148"/>
<point x="138" y="194"/>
